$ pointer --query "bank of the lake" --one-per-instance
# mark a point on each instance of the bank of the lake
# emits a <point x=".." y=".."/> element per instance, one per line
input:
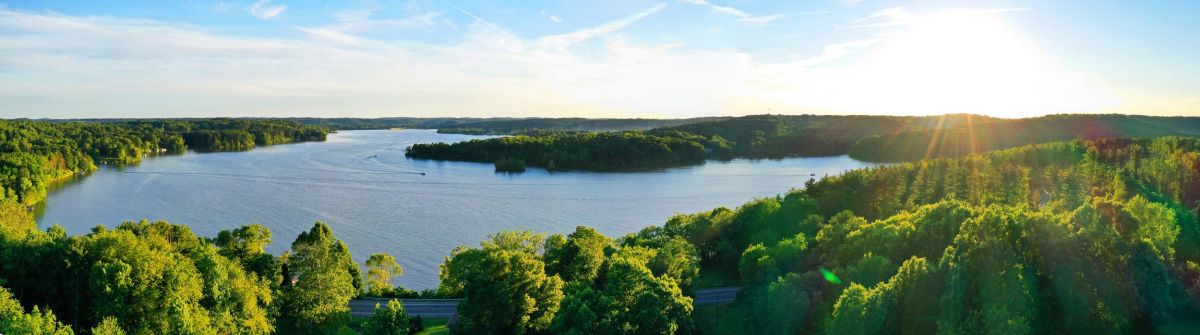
<point x="376" y="200"/>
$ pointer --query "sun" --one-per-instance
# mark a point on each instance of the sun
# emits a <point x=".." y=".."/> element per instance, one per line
<point x="963" y="61"/>
<point x="951" y="61"/>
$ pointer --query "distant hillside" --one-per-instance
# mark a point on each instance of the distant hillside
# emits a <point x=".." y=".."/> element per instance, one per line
<point x="513" y="126"/>
<point x="994" y="134"/>
<point x="759" y="136"/>
<point x="866" y="137"/>
<point x="497" y="126"/>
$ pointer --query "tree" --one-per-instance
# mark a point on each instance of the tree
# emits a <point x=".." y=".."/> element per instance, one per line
<point x="579" y="257"/>
<point x="133" y="277"/>
<point x="676" y="259"/>
<point x="381" y="268"/>
<point x="320" y="285"/>
<point x="247" y="245"/>
<point x="108" y="326"/>
<point x="14" y="320"/>
<point x="389" y="320"/>
<point x="859" y="310"/>
<point x="15" y="220"/>
<point x="505" y="287"/>
<point x="236" y="300"/>
<point x="626" y="299"/>
<point x="244" y="242"/>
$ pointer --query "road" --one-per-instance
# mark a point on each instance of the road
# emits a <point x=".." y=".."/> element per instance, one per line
<point x="716" y="295"/>
<point x="439" y="308"/>
<point x="444" y="308"/>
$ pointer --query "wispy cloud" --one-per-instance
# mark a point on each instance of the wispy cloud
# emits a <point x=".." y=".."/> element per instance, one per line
<point x="264" y="10"/>
<point x="555" y="19"/>
<point x="740" y="14"/>
<point x="833" y="52"/>
<point x="571" y="38"/>
<point x="898" y="16"/>
<point x="480" y="19"/>
<point x="351" y="23"/>
<point x="890" y="17"/>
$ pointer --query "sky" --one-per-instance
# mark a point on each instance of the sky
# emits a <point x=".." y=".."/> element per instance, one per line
<point x="615" y="58"/>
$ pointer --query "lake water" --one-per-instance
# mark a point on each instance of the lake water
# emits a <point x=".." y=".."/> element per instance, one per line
<point x="376" y="200"/>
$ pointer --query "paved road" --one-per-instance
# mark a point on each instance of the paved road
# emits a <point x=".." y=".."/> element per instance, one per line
<point x="444" y="308"/>
<point x="440" y="308"/>
<point x="716" y="295"/>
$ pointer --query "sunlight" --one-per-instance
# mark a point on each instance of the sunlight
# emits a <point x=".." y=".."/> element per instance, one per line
<point x="964" y="61"/>
<point x="957" y="61"/>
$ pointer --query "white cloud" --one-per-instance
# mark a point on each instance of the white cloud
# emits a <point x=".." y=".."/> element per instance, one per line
<point x="568" y="39"/>
<point x="890" y="17"/>
<point x="55" y="65"/>
<point x="264" y="10"/>
<point x="742" y="16"/>
<point x="834" y="52"/>
<point x="480" y="20"/>
<point x="350" y="23"/>
<point x="555" y="19"/>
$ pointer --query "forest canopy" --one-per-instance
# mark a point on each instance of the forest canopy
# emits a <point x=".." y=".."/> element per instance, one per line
<point x="33" y="153"/>
<point x="1083" y="236"/>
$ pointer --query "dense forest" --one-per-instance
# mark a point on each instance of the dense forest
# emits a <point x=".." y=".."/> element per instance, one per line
<point x="870" y="138"/>
<point x="961" y="140"/>
<point x="1085" y="236"/>
<point x="577" y="150"/>
<point x="760" y="136"/>
<point x="33" y="153"/>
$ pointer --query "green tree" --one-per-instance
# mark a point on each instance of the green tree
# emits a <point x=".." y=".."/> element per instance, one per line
<point x="247" y="245"/>
<point x="387" y="320"/>
<point x="14" y="320"/>
<point x="237" y="301"/>
<point x="627" y="299"/>
<point x="579" y="257"/>
<point x="108" y="326"/>
<point x="381" y="269"/>
<point x="505" y="287"/>
<point x="15" y="221"/>
<point x="320" y="285"/>
<point x="133" y="277"/>
<point x="859" y="310"/>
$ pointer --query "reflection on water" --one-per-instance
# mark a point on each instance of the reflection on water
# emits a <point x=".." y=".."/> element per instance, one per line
<point x="376" y="200"/>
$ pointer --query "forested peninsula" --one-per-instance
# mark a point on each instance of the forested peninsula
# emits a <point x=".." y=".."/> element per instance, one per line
<point x="869" y="138"/>
<point x="1083" y="236"/>
<point x="33" y="153"/>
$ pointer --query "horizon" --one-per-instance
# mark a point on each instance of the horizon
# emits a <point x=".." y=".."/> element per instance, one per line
<point x="583" y="117"/>
<point x="628" y="59"/>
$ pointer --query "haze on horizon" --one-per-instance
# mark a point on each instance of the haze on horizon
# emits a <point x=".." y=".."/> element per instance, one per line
<point x="687" y="58"/>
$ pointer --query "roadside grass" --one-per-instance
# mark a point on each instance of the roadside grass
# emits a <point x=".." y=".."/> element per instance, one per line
<point x="433" y="326"/>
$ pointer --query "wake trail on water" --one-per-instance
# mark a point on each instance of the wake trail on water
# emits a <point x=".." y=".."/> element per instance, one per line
<point x="370" y="185"/>
<point x="375" y="181"/>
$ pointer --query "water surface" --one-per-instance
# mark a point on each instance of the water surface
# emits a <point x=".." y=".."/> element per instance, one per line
<point x="376" y="200"/>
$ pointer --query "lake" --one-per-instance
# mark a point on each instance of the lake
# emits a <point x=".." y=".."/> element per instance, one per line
<point x="376" y="200"/>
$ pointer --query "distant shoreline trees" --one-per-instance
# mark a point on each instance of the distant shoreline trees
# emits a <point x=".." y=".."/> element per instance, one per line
<point x="869" y="138"/>
<point x="35" y="153"/>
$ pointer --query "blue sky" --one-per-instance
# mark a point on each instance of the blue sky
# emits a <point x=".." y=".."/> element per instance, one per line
<point x="679" y="58"/>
